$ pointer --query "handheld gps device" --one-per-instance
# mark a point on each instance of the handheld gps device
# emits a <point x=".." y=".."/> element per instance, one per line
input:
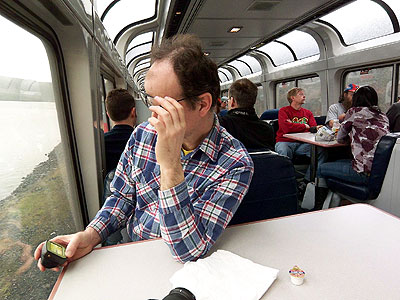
<point x="53" y="255"/>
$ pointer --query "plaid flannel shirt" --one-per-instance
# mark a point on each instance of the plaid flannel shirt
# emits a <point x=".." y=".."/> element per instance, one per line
<point x="188" y="217"/>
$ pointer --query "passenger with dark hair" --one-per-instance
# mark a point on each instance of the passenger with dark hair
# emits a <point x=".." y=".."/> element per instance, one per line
<point x="393" y="115"/>
<point x="120" y="107"/>
<point x="242" y="121"/>
<point x="181" y="176"/>
<point x="363" y="126"/>
<point x="338" y="110"/>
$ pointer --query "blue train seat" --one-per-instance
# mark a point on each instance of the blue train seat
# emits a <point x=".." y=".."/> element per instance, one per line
<point x="272" y="192"/>
<point x="371" y="190"/>
<point x="121" y="235"/>
<point x="270" y="114"/>
<point x="320" y="120"/>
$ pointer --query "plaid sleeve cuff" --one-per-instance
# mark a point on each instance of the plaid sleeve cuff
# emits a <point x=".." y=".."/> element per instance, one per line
<point x="100" y="227"/>
<point x="174" y="198"/>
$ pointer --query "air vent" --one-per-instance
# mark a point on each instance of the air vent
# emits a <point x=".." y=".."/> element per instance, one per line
<point x="263" y="5"/>
<point x="217" y="43"/>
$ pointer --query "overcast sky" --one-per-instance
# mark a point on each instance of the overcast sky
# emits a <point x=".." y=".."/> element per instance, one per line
<point x="22" y="55"/>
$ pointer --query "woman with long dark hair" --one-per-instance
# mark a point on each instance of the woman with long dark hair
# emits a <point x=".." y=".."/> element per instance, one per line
<point x="363" y="127"/>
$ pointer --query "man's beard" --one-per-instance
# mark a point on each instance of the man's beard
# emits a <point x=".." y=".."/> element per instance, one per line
<point x="347" y="104"/>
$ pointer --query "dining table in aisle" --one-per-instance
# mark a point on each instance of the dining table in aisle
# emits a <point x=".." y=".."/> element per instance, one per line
<point x="309" y="138"/>
<point x="349" y="252"/>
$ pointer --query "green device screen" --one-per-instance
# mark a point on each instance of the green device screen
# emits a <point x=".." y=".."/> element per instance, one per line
<point x="56" y="249"/>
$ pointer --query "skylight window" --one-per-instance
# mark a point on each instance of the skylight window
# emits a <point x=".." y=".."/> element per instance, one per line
<point x="126" y="12"/>
<point x="139" y="45"/>
<point x="360" y="21"/>
<point x="279" y="53"/>
<point x="303" y="44"/>
<point x="224" y="75"/>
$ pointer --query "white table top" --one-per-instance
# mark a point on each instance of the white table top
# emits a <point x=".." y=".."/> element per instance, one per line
<point x="350" y="252"/>
<point x="308" y="137"/>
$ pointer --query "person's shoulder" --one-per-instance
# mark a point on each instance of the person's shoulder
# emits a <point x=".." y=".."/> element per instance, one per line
<point x="143" y="132"/>
<point x="145" y="127"/>
<point x="395" y="107"/>
<point x="285" y="109"/>
<point x="109" y="135"/>
<point x="334" y="106"/>
<point x="224" y="118"/>
<point x="231" y="150"/>
<point x="223" y="112"/>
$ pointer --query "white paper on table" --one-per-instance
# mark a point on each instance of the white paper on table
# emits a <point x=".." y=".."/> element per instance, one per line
<point x="224" y="275"/>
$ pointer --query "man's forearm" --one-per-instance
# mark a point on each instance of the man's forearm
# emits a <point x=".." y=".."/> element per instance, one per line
<point x="171" y="176"/>
<point x="93" y="236"/>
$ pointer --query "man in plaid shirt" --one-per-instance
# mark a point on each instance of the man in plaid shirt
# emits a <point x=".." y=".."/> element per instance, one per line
<point x="181" y="176"/>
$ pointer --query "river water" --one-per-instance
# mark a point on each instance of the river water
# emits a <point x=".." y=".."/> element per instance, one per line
<point x="28" y="131"/>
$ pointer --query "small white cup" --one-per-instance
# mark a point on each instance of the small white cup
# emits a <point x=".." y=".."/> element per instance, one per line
<point x="297" y="280"/>
<point x="297" y="275"/>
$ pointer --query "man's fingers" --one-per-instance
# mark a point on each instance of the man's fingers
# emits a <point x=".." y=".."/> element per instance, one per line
<point x="72" y="246"/>
<point x="173" y="107"/>
<point x="40" y="266"/>
<point x="157" y="124"/>
<point x="38" y="251"/>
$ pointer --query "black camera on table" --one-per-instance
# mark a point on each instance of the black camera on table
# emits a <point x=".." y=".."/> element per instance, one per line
<point x="179" y="294"/>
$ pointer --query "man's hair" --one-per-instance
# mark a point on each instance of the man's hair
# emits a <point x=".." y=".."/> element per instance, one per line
<point x="365" y="96"/>
<point x="244" y="92"/>
<point x="196" y="72"/>
<point x="119" y="104"/>
<point x="292" y="93"/>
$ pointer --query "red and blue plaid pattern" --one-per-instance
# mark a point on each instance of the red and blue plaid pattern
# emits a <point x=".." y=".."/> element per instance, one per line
<point x="190" y="216"/>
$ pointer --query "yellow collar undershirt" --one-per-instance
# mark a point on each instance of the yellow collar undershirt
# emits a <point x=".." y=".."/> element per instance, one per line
<point x="186" y="152"/>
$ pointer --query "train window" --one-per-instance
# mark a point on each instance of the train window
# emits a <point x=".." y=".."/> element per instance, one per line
<point x="243" y="68"/>
<point x="108" y="85"/>
<point x="246" y="65"/>
<point x="261" y="103"/>
<point x="125" y="12"/>
<point x="281" y="90"/>
<point x="224" y="74"/>
<point x="252" y="62"/>
<point x="303" y="44"/>
<point x="139" y="45"/>
<point x="278" y="53"/>
<point x="398" y="85"/>
<point x="312" y="88"/>
<point x="360" y="21"/>
<point x="379" y="78"/>
<point x="38" y="195"/>
<point x="143" y="64"/>
<point x="395" y="6"/>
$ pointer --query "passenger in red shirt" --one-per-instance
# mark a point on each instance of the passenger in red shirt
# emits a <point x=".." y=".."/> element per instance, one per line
<point x="292" y="119"/>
